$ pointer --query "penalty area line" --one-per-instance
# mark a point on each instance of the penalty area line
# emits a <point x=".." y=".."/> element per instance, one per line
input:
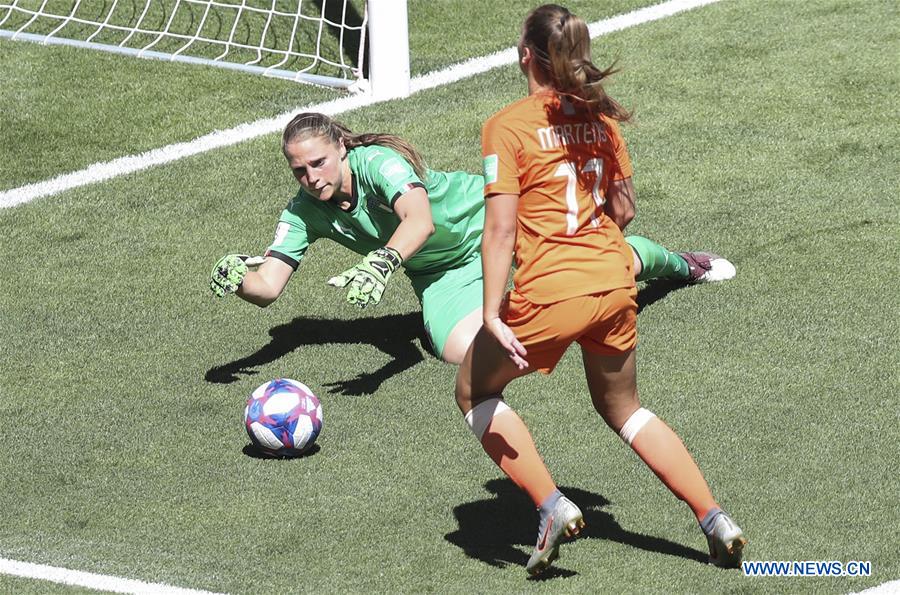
<point x="100" y="172"/>
<point x="888" y="588"/>
<point x="98" y="582"/>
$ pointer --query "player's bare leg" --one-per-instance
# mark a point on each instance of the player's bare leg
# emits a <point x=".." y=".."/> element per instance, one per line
<point x="484" y="373"/>
<point x="461" y="337"/>
<point x="612" y="383"/>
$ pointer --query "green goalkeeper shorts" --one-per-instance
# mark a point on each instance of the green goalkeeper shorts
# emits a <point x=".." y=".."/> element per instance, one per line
<point x="447" y="297"/>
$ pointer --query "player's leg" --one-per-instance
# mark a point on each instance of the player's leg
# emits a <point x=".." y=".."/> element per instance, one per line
<point x="451" y="308"/>
<point x="637" y="264"/>
<point x="460" y="338"/>
<point x="609" y="363"/>
<point x="653" y="261"/>
<point x="484" y="373"/>
<point x="613" y="388"/>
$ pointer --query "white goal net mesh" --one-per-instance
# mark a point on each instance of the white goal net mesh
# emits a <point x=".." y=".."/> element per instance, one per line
<point x="317" y="41"/>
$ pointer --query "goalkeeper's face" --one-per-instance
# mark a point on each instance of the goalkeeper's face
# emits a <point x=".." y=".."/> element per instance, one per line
<point x="319" y="166"/>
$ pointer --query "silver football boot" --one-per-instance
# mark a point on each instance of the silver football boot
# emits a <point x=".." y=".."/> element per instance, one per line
<point x="726" y="542"/>
<point x="565" y="520"/>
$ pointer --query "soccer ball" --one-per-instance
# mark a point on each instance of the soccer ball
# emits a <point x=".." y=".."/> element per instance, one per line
<point x="283" y="417"/>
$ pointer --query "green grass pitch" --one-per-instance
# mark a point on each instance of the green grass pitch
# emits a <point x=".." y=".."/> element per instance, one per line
<point x="766" y="131"/>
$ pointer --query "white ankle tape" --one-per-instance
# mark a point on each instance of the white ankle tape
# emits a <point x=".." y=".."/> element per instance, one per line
<point x="635" y="424"/>
<point x="479" y="417"/>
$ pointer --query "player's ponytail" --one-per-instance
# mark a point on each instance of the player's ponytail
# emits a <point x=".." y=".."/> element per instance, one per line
<point x="561" y="44"/>
<point x="311" y="124"/>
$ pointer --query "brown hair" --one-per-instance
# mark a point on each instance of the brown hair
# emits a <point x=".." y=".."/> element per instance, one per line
<point x="561" y="44"/>
<point x="311" y="124"/>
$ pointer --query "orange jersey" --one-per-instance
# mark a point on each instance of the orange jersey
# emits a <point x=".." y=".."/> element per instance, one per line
<point x="560" y="162"/>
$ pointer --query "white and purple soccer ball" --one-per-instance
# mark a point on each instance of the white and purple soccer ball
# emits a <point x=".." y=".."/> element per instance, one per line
<point x="283" y="417"/>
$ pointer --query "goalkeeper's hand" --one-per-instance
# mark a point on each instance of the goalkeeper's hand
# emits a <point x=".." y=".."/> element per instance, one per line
<point x="229" y="273"/>
<point x="368" y="279"/>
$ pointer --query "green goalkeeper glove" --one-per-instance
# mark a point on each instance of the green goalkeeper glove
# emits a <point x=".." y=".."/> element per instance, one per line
<point x="229" y="273"/>
<point x="368" y="279"/>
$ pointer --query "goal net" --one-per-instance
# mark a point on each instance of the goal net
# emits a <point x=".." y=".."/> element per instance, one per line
<point x="316" y="41"/>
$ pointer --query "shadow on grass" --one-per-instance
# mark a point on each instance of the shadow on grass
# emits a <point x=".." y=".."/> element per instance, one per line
<point x="501" y="530"/>
<point x="395" y="335"/>
<point x="255" y="452"/>
<point x="657" y="289"/>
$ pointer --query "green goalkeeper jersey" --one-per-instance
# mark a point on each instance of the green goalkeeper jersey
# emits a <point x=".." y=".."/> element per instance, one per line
<point x="380" y="177"/>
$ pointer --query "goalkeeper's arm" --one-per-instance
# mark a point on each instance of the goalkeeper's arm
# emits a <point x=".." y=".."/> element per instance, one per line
<point x="416" y="224"/>
<point x="264" y="285"/>
<point x="368" y="279"/>
<point x="232" y="274"/>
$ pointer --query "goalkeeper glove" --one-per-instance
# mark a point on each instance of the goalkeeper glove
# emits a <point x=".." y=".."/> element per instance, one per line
<point x="368" y="279"/>
<point x="229" y="272"/>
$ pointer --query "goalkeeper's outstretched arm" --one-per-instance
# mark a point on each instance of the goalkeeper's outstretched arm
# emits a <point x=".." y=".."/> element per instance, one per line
<point x="264" y="285"/>
<point x="232" y="274"/>
<point x="416" y="223"/>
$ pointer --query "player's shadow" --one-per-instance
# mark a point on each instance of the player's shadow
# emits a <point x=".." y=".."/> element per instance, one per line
<point x="395" y="335"/>
<point x="501" y="530"/>
<point x="657" y="289"/>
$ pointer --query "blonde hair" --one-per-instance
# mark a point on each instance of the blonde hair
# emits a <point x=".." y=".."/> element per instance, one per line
<point x="561" y="44"/>
<point x="311" y="124"/>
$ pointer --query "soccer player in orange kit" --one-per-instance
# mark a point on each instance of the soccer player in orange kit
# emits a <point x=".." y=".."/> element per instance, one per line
<point x="557" y="186"/>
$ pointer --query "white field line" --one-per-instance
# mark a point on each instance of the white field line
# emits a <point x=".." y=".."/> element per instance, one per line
<point x="90" y="580"/>
<point x="889" y="588"/>
<point x="99" y="172"/>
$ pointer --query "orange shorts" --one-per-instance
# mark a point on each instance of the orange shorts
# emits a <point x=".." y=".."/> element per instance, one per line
<point x="603" y="323"/>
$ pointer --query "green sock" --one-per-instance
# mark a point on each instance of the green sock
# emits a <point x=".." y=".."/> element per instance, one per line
<point x="658" y="262"/>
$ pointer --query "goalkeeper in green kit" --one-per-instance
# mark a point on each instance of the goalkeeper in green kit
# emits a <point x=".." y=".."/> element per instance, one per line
<point x="373" y="194"/>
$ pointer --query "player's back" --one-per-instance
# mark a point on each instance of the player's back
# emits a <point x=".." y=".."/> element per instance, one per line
<point x="559" y="159"/>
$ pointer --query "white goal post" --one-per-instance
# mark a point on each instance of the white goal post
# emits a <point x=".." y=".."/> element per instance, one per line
<point x="358" y="45"/>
